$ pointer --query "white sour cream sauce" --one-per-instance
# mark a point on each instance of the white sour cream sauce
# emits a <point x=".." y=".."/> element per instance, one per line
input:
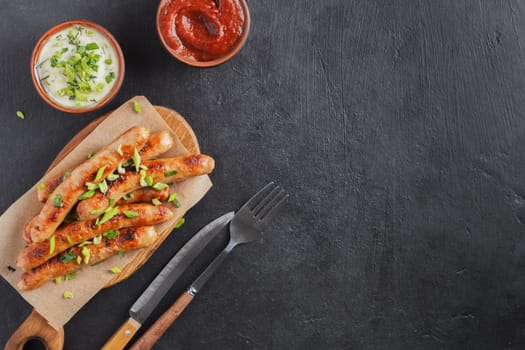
<point x="52" y="79"/>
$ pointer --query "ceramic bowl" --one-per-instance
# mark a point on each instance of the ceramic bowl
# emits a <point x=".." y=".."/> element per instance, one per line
<point x="215" y="62"/>
<point x="36" y="54"/>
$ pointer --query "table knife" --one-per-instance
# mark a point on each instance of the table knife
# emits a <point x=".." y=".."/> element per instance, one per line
<point x="149" y="299"/>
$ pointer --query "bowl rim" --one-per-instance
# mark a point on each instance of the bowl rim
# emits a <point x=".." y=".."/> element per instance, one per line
<point x="36" y="53"/>
<point x="215" y="62"/>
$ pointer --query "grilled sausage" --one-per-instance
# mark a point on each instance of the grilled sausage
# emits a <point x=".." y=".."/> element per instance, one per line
<point x="145" y="195"/>
<point x="79" y="231"/>
<point x="130" y="238"/>
<point x="184" y="166"/>
<point x="66" y="194"/>
<point x="157" y="144"/>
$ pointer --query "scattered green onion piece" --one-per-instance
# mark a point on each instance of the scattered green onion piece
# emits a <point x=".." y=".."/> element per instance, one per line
<point x="103" y="186"/>
<point x="100" y="173"/>
<point x="159" y="186"/>
<point x="57" y="202"/>
<point x="97" y="239"/>
<point x="90" y="155"/>
<point x="170" y="173"/>
<point x="143" y="167"/>
<point x="91" y="186"/>
<point x="176" y="203"/>
<point x="120" y="169"/>
<point x="149" y="180"/>
<point x="119" y="150"/>
<point x="87" y="254"/>
<point x="115" y="270"/>
<point x="71" y="275"/>
<point x="92" y="46"/>
<point x="112" y="177"/>
<point x="108" y="215"/>
<point x="98" y="211"/>
<point x="68" y="295"/>
<point x="180" y="223"/>
<point x="69" y="240"/>
<point x="156" y="201"/>
<point x="20" y="115"/>
<point x="136" y="159"/>
<point x="67" y="257"/>
<point x="136" y="106"/>
<point x="52" y="244"/>
<point x="143" y="182"/>
<point x="58" y="280"/>
<point x="131" y="213"/>
<point x="109" y="78"/>
<point x="111" y="234"/>
<point x="65" y="176"/>
<point x="84" y="243"/>
<point x="41" y="186"/>
<point x="108" y="61"/>
<point x="79" y="260"/>
<point x="89" y="32"/>
<point x="111" y="202"/>
<point x="128" y="196"/>
<point x="172" y="197"/>
<point x="121" y="253"/>
<point x="86" y="195"/>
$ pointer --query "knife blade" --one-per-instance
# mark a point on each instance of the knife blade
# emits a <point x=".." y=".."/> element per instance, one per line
<point x="150" y="298"/>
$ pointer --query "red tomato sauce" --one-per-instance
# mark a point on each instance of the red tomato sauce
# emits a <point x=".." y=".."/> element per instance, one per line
<point x="202" y="30"/>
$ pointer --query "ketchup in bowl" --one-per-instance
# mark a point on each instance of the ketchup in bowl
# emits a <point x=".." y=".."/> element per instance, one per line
<point x="202" y="30"/>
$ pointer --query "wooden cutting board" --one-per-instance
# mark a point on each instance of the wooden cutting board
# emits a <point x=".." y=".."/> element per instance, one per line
<point x="35" y="326"/>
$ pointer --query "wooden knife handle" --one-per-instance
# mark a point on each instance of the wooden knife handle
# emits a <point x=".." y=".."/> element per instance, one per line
<point x="36" y="327"/>
<point x="121" y="337"/>
<point x="160" y="326"/>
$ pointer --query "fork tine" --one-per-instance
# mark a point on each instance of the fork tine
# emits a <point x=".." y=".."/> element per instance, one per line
<point x="268" y="210"/>
<point x="265" y="200"/>
<point x="257" y="197"/>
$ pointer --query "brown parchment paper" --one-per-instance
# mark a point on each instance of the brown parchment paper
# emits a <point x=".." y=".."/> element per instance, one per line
<point x="48" y="300"/>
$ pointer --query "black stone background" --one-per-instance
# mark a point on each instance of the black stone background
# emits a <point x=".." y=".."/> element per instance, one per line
<point x="396" y="126"/>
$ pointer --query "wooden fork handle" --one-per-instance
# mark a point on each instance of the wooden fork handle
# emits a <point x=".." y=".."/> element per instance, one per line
<point x="36" y="327"/>
<point x="160" y="326"/>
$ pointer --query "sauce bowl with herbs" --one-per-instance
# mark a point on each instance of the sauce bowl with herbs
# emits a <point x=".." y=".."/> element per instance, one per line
<point x="77" y="66"/>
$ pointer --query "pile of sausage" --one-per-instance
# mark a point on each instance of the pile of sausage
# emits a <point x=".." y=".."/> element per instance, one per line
<point x="104" y="206"/>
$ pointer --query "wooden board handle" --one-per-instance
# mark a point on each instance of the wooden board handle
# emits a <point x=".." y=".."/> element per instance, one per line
<point x="160" y="326"/>
<point x="36" y="327"/>
<point x="122" y="336"/>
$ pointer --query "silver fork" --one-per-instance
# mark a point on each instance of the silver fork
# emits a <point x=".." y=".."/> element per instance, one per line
<point x="246" y="226"/>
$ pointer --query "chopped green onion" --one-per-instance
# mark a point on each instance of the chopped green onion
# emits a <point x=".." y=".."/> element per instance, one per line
<point x="41" y="186"/>
<point x="136" y="106"/>
<point x="51" y="244"/>
<point x="68" y="295"/>
<point x="121" y="253"/>
<point x="160" y="186"/>
<point x="84" y="243"/>
<point x="86" y="195"/>
<point x="87" y="254"/>
<point x="89" y="32"/>
<point x="115" y="270"/>
<point x="90" y="155"/>
<point x="111" y="234"/>
<point x="92" y="46"/>
<point x="176" y="202"/>
<point x="79" y="260"/>
<point x="91" y="186"/>
<point x="71" y="276"/>
<point x="172" y="197"/>
<point x="20" y="115"/>
<point x="67" y="257"/>
<point x="69" y="240"/>
<point x="143" y="182"/>
<point x="109" y="78"/>
<point x="57" y="202"/>
<point x="180" y="223"/>
<point x="98" y="211"/>
<point x="111" y="202"/>
<point x="136" y="159"/>
<point x="119" y="149"/>
<point x="103" y="186"/>
<point x="108" y="61"/>
<point x="170" y="173"/>
<point x="131" y="213"/>
<point x="156" y="201"/>
<point x="120" y="169"/>
<point x="108" y="215"/>
<point x="149" y="180"/>
<point x="112" y="177"/>
<point x="65" y="176"/>
<point x="97" y="239"/>
<point x="58" y="280"/>
<point x="128" y="196"/>
<point x="100" y="173"/>
<point x="143" y="167"/>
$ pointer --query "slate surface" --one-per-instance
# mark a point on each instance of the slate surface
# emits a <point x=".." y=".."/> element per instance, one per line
<point x="398" y="129"/>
